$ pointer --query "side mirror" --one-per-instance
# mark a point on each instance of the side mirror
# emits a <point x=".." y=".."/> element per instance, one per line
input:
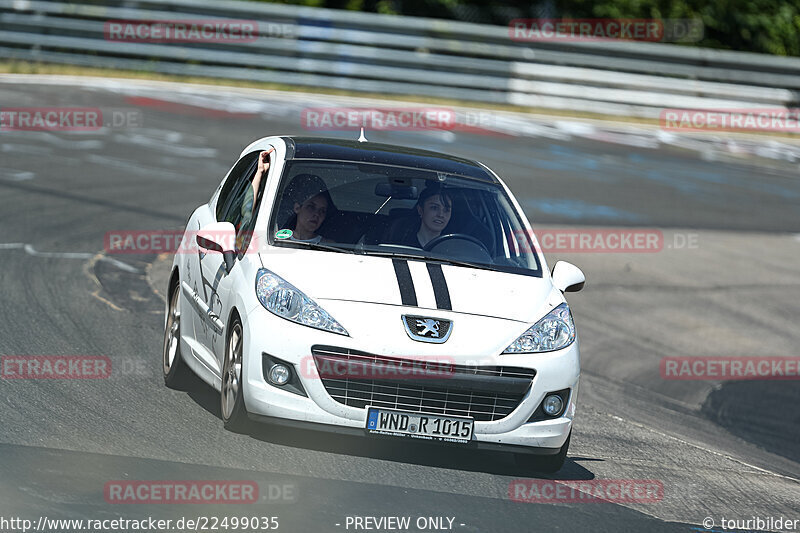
<point x="219" y="237"/>
<point x="567" y="277"/>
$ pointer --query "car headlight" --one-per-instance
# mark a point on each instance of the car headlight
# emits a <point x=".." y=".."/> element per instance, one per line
<point x="280" y="297"/>
<point x="554" y="331"/>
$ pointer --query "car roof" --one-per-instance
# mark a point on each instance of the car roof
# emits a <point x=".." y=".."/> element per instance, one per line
<point x="385" y="154"/>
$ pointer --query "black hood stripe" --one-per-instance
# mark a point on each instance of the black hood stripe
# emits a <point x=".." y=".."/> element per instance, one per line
<point x="408" y="294"/>
<point x="440" y="290"/>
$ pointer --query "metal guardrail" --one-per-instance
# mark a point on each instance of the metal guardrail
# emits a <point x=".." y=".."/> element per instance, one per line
<point x="405" y="56"/>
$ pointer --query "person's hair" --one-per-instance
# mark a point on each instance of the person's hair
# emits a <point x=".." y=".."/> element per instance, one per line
<point x="301" y="188"/>
<point x="434" y="189"/>
<point x="305" y="186"/>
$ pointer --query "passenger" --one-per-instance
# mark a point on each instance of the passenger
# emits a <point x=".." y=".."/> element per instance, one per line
<point x="312" y="202"/>
<point x="434" y="207"/>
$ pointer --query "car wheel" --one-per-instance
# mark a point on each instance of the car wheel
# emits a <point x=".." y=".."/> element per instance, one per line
<point x="548" y="464"/>
<point x="176" y="373"/>
<point x="234" y="413"/>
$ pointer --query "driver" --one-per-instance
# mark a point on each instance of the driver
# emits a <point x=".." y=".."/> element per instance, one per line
<point x="434" y="207"/>
<point x="312" y="204"/>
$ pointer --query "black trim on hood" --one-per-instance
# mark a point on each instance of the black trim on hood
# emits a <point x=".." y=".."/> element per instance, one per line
<point x="408" y="294"/>
<point x="440" y="290"/>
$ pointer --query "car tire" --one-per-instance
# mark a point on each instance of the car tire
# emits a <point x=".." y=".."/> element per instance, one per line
<point x="234" y="412"/>
<point x="176" y="373"/>
<point x="548" y="464"/>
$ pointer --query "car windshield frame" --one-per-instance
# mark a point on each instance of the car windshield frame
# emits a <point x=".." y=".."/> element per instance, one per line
<point x="405" y="252"/>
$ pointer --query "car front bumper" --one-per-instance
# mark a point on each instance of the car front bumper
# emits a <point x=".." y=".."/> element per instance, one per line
<point x="317" y="409"/>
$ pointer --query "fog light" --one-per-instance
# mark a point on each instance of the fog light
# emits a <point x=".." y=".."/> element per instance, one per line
<point x="553" y="405"/>
<point x="279" y="374"/>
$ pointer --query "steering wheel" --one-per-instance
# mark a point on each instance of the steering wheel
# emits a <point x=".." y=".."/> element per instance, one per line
<point x="463" y="236"/>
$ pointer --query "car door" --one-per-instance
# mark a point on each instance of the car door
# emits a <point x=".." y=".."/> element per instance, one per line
<point x="216" y="281"/>
<point x="202" y="291"/>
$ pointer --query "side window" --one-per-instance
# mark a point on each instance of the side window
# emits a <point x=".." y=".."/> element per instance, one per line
<point x="248" y="210"/>
<point x="233" y="191"/>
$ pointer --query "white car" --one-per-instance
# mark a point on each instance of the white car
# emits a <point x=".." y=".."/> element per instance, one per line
<point x="375" y="290"/>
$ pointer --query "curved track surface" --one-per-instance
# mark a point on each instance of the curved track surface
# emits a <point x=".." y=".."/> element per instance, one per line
<point x="720" y="450"/>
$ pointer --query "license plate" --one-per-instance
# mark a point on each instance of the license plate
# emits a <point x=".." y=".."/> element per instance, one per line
<point x="419" y="425"/>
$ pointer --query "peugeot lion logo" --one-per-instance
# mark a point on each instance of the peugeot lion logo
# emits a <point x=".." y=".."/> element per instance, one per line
<point x="425" y="325"/>
<point x="427" y="329"/>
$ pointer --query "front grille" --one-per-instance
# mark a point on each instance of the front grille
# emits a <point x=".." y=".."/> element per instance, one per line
<point x="485" y="393"/>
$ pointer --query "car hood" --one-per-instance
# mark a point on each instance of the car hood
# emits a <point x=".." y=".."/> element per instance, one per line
<point x="418" y="284"/>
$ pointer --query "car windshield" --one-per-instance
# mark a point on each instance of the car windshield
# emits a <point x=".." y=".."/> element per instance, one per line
<point x="375" y="209"/>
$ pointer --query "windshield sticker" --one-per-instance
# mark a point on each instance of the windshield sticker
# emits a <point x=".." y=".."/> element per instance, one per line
<point x="284" y="234"/>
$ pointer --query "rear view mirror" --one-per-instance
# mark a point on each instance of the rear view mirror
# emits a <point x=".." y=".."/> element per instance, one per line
<point x="400" y="192"/>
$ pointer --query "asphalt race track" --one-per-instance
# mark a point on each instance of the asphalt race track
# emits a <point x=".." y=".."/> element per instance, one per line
<point x="725" y="283"/>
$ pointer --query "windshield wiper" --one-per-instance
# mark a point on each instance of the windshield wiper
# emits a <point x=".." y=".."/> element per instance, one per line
<point x="458" y="262"/>
<point x="317" y="246"/>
